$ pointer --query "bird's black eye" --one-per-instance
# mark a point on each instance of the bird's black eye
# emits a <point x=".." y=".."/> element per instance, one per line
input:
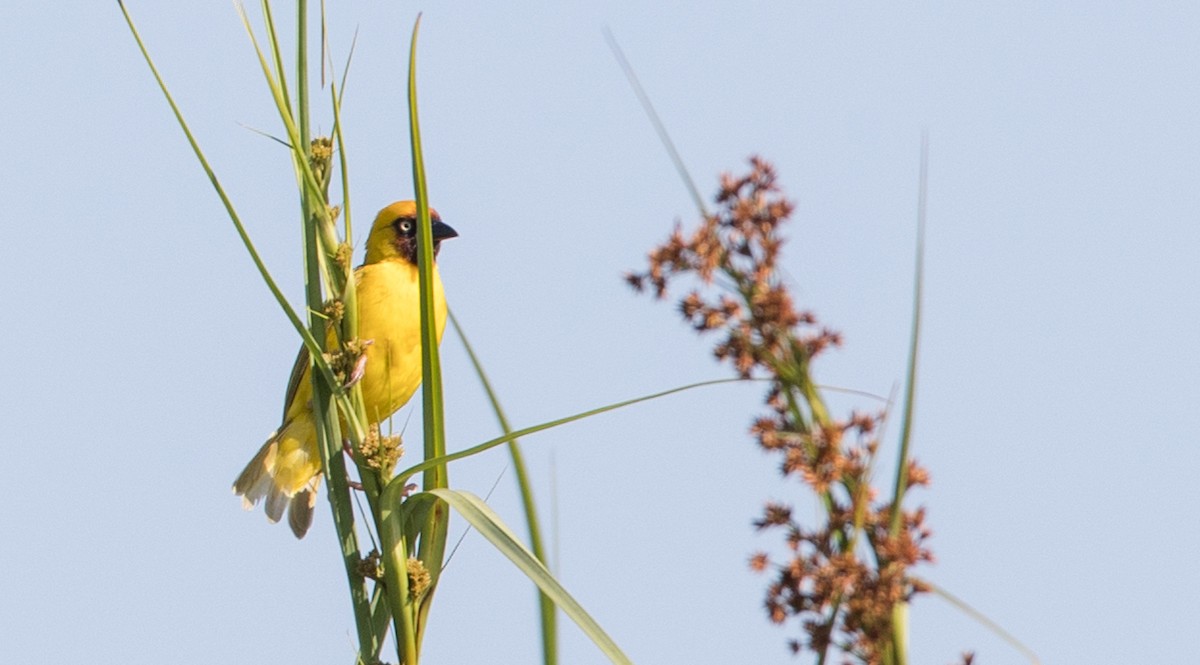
<point x="405" y="226"/>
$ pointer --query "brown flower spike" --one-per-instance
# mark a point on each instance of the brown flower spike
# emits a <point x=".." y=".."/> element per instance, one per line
<point x="841" y="580"/>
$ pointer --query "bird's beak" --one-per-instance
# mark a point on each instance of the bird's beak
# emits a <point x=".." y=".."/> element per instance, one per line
<point x="441" y="230"/>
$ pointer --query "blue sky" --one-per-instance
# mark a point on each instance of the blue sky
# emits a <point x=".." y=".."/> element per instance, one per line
<point x="146" y="361"/>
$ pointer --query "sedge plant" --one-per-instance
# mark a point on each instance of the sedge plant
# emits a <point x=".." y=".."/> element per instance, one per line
<point x="847" y="582"/>
<point x="391" y="587"/>
<point x="844" y="594"/>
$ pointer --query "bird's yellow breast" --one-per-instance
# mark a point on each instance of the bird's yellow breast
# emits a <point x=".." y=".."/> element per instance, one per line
<point x="388" y="315"/>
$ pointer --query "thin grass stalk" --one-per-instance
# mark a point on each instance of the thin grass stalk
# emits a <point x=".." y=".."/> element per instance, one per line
<point x="811" y="392"/>
<point x="395" y="572"/>
<point x="370" y="477"/>
<point x="324" y="275"/>
<point x="432" y="547"/>
<point x="276" y="292"/>
<point x="396" y="484"/>
<point x="800" y="377"/>
<point x="343" y="166"/>
<point x="797" y="377"/>
<point x="900" y="610"/>
<point x="293" y="317"/>
<point x="324" y="43"/>
<point x="307" y="180"/>
<point x="348" y="294"/>
<point x="276" y="53"/>
<point x="302" y="69"/>
<point x="317" y="232"/>
<point x="488" y="524"/>
<point x="371" y="480"/>
<point x="659" y="127"/>
<point x="431" y="370"/>
<point x="914" y="343"/>
<point x="325" y="414"/>
<point x="820" y="418"/>
<point x="323" y="376"/>
<point x="546" y="609"/>
<point x="334" y="466"/>
<point x="381" y="618"/>
<point x="985" y="621"/>
<point x="394" y="529"/>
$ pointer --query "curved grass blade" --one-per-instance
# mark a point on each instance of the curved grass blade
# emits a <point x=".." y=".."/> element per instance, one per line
<point x="546" y="610"/>
<point x="336" y="96"/>
<point x="276" y="54"/>
<point x="396" y="485"/>
<point x="910" y="389"/>
<point x="362" y="611"/>
<point x="297" y="323"/>
<point x="314" y="198"/>
<point x="393" y="511"/>
<point x="900" y="610"/>
<point x="431" y="382"/>
<point x="659" y="127"/>
<point x="983" y="619"/>
<point x="319" y="240"/>
<point x="432" y="546"/>
<point x="488" y="523"/>
<point x="313" y="191"/>
<point x="301" y="73"/>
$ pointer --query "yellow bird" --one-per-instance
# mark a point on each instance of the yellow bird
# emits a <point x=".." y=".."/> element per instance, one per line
<point x="287" y="469"/>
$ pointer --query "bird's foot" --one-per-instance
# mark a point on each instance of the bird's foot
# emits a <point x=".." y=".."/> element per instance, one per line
<point x="360" y="365"/>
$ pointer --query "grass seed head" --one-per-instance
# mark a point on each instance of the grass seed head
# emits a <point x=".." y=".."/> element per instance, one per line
<point x="737" y="292"/>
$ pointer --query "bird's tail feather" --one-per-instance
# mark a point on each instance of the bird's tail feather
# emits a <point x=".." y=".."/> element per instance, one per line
<point x="286" y="473"/>
<point x="300" y="509"/>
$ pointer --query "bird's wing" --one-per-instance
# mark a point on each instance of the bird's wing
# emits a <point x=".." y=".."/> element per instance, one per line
<point x="302" y="362"/>
<point x="295" y="379"/>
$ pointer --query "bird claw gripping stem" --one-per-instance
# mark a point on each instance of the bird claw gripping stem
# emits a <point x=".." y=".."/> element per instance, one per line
<point x="360" y="366"/>
<point x="349" y="363"/>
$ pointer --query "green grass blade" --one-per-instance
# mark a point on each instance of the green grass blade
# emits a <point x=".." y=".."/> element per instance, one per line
<point x="910" y="389"/>
<point x="312" y="190"/>
<point x="547" y="612"/>
<point x="276" y="52"/>
<point x="343" y="166"/>
<point x="396" y="485"/>
<point x="301" y="72"/>
<point x="291" y="314"/>
<point x="985" y="621"/>
<point x="308" y="338"/>
<point x="337" y="124"/>
<point x="318" y="230"/>
<point x="381" y="616"/>
<point x="899" y="644"/>
<point x="432" y="546"/>
<point x="393" y="529"/>
<point x="392" y="510"/>
<point x="324" y="44"/>
<point x="349" y="295"/>
<point x="430" y="362"/>
<point x="659" y="127"/>
<point x="900" y="610"/>
<point x="490" y="526"/>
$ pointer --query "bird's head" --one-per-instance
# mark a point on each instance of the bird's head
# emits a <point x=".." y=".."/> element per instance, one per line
<point x="394" y="233"/>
